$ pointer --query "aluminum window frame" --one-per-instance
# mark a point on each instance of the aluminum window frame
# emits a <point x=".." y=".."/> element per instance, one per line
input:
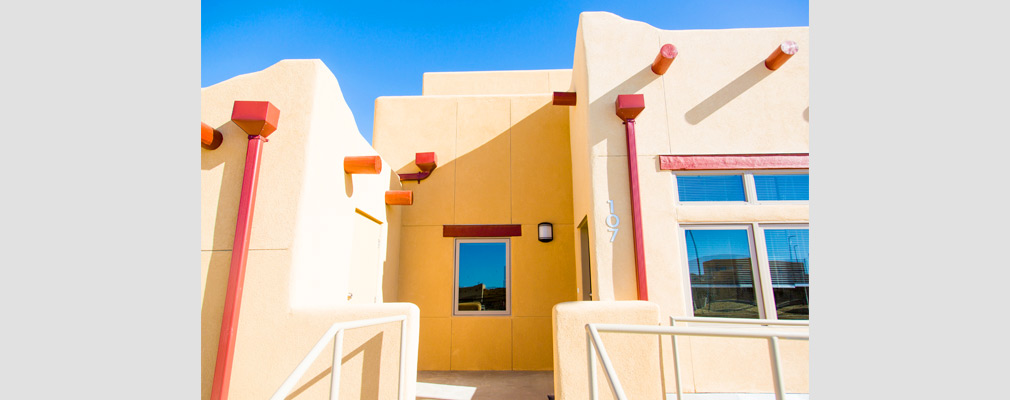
<point x="755" y="273"/>
<point x="749" y="188"/>
<point x="760" y="267"/>
<point x="508" y="278"/>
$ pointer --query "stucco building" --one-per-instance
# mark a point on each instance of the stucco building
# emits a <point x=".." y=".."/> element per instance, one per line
<point x="706" y="215"/>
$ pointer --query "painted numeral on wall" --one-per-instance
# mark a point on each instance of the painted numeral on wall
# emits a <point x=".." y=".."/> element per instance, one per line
<point x="612" y="226"/>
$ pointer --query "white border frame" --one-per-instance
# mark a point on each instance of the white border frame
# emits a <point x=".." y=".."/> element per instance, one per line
<point x="508" y="278"/>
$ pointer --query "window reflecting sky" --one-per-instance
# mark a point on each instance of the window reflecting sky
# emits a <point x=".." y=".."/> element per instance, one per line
<point x="482" y="263"/>
<point x="782" y="187"/>
<point x="791" y="245"/>
<point x="709" y="244"/>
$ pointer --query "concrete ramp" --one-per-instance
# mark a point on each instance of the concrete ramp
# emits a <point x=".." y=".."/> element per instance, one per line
<point x="444" y="392"/>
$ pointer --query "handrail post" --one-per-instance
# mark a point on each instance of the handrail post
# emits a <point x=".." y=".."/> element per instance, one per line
<point x="676" y="362"/>
<point x="403" y="360"/>
<point x="615" y="382"/>
<point x="773" y="348"/>
<point x="592" y="366"/>
<point x="338" y="353"/>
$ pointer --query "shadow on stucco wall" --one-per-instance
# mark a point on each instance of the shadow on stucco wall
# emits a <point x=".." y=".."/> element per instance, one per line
<point x="634" y="83"/>
<point x="729" y="92"/>
<point x="231" y="157"/>
<point x="371" y="353"/>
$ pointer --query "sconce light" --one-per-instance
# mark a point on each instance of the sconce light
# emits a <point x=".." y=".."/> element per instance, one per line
<point x="545" y="232"/>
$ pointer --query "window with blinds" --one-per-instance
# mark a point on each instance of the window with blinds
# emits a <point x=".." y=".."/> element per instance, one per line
<point x="782" y="187"/>
<point x="744" y="187"/>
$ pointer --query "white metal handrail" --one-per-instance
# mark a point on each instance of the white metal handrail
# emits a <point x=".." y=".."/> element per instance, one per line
<point x="750" y="321"/>
<point x="743" y="321"/>
<point x="593" y="342"/>
<point x="336" y="332"/>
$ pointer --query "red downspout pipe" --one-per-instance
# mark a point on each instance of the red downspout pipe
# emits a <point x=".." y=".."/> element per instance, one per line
<point x="628" y="107"/>
<point x="243" y="229"/>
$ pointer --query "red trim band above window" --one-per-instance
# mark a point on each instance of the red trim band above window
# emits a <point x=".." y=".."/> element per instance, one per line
<point x="735" y="161"/>
<point x="481" y="230"/>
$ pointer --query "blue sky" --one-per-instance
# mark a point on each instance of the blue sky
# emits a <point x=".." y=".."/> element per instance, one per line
<point x="382" y="49"/>
<point x="482" y="263"/>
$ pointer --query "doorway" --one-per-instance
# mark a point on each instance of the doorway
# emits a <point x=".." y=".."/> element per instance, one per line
<point x="587" y="274"/>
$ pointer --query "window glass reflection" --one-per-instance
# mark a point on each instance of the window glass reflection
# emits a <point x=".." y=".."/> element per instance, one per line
<point x="482" y="276"/>
<point x="722" y="283"/>
<point x="789" y="261"/>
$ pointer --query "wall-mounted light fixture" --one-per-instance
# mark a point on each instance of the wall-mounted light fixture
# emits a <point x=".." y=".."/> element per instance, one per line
<point x="545" y="232"/>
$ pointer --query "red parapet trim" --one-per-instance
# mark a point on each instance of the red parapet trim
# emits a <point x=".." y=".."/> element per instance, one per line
<point x="781" y="54"/>
<point x="630" y="105"/>
<point x="564" y="98"/>
<point x="734" y="161"/>
<point x="663" y="60"/>
<point x="362" y="164"/>
<point x="481" y="230"/>
<point x="399" y="197"/>
<point x="210" y="138"/>
<point x="236" y="274"/>
<point x="255" y="117"/>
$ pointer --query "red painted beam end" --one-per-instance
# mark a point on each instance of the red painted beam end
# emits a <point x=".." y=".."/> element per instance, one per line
<point x="399" y="197"/>
<point x="564" y="98"/>
<point x="426" y="161"/>
<point x="630" y="105"/>
<point x="255" y="117"/>
<point x="663" y="60"/>
<point x="781" y="54"/>
<point x="210" y="138"/>
<point x="481" y="230"/>
<point x="734" y="161"/>
<point x="362" y="165"/>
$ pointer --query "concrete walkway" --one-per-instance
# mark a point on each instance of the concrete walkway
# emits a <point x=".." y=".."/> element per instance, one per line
<point x="496" y="385"/>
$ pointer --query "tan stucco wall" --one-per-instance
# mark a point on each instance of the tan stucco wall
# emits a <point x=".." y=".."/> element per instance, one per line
<point x="502" y="160"/>
<point x="496" y="82"/>
<point x="716" y="98"/>
<point x="582" y="202"/>
<point x="309" y="247"/>
<point x="635" y="358"/>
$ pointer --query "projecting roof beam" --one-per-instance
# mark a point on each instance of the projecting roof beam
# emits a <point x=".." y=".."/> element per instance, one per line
<point x="663" y="60"/>
<point x="781" y="54"/>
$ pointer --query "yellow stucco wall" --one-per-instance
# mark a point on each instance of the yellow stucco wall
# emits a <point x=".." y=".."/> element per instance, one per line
<point x="716" y="98"/>
<point x="309" y="247"/>
<point x="502" y="160"/>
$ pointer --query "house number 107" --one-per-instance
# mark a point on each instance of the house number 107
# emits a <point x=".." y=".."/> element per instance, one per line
<point x="616" y="221"/>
